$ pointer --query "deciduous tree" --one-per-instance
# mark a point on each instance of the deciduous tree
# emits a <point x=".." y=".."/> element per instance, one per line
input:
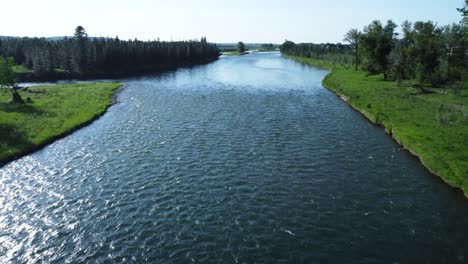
<point x="8" y="78"/>
<point x="352" y="37"/>
<point x="427" y="51"/>
<point x="377" y="43"/>
<point x="241" y="47"/>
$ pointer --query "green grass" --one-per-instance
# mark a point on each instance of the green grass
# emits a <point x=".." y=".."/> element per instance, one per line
<point x="320" y="63"/>
<point x="266" y="50"/>
<point x="58" y="70"/>
<point x="234" y="53"/>
<point x="21" y="69"/>
<point x="433" y="125"/>
<point x="55" y="111"/>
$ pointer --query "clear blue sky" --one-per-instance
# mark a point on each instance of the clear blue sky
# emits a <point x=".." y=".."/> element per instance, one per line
<point x="218" y="20"/>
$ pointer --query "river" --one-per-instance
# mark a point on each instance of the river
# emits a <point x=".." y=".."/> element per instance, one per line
<point x="247" y="159"/>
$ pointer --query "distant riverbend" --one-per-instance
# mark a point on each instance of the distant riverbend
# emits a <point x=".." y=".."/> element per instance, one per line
<point x="247" y="159"/>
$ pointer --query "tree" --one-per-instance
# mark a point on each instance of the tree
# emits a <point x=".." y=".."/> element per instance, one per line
<point x="81" y="56"/>
<point x="8" y="78"/>
<point x="401" y="59"/>
<point x="352" y="37"/>
<point x="464" y="12"/>
<point x="42" y="62"/>
<point x="287" y="47"/>
<point x="426" y="51"/>
<point x="455" y="45"/>
<point x="266" y="46"/>
<point x="80" y="59"/>
<point x="377" y="44"/>
<point x="379" y="41"/>
<point x="329" y="52"/>
<point x="241" y="47"/>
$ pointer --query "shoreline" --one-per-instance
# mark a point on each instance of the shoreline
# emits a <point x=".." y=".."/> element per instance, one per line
<point x="396" y="140"/>
<point x="130" y="73"/>
<point x="388" y="131"/>
<point x="113" y="100"/>
<point x="234" y="53"/>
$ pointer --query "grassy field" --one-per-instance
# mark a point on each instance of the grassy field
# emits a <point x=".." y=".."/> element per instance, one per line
<point x="432" y="122"/>
<point x="55" y="111"/>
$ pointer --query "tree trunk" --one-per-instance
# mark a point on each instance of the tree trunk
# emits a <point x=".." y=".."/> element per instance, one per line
<point x="16" y="97"/>
<point x="357" y="58"/>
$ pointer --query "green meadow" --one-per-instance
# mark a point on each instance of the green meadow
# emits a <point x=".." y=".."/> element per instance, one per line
<point x="51" y="112"/>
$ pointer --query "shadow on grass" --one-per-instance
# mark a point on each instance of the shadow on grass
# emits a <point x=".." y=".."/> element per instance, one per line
<point x="20" y="108"/>
<point x="11" y="137"/>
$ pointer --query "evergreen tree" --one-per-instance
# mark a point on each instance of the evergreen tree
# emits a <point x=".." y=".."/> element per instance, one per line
<point x="80" y="58"/>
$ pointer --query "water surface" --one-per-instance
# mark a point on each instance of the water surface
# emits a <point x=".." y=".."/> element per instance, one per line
<point x="247" y="159"/>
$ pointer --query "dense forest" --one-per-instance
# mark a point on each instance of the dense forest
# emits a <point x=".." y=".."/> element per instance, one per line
<point x="82" y="56"/>
<point x="424" y="52"/>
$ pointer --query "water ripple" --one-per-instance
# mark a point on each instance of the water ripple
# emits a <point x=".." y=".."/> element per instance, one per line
<point x="248" y="159"/>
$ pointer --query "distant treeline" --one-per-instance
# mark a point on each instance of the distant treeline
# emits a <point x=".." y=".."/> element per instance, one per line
<point x="228" y="47"/>
<point x="334" y="53"/>
<point x="82" y="56"/>
<point x="425" y="52"/>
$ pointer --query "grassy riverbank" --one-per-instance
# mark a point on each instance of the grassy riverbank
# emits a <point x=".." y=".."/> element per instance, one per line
<point x="55" y="111"/>
<point x="432" y="123"/>
<point x="234" y="53"/>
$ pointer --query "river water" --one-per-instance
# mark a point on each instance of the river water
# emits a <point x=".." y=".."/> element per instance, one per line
<point x="247" y="159"/>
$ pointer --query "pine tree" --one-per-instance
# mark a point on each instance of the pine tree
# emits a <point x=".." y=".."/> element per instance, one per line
<point x="79" y="58"/>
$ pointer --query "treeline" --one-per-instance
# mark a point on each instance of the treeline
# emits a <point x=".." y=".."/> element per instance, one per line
<point x="82" y="56"/>
<point x="335" y="53"/>
<point x="424" y="52"/>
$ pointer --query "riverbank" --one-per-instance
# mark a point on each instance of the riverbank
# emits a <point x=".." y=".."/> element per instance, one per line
<point x="55" y="111"/>
<point x="234" y="53"/>
<point x="432" y="123"/>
